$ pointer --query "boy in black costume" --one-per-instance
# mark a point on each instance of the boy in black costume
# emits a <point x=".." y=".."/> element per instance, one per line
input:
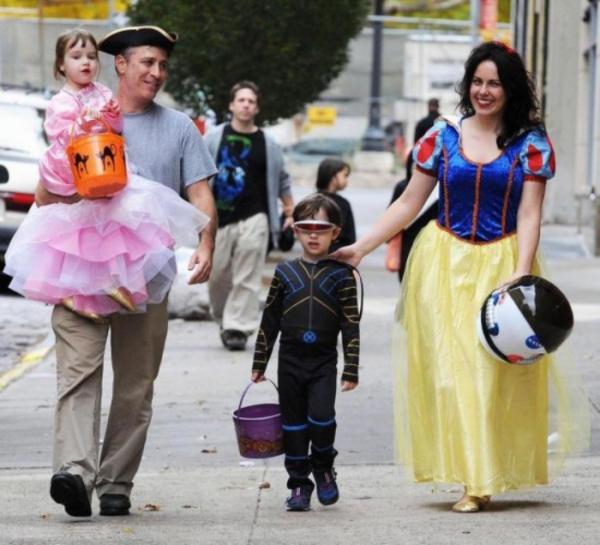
<point x="310" y="301"/>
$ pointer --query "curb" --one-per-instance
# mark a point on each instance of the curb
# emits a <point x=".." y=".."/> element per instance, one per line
<point x="28" y="361"/>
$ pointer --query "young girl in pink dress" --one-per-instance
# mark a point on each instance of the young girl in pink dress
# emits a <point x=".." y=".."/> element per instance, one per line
<point x="96" y="256"/>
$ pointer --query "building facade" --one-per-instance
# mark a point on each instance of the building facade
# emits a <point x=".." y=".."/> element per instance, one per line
<point x="559" y="42"/>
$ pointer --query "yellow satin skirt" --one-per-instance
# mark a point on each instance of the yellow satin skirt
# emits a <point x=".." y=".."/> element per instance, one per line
<point x="460" y="415"/>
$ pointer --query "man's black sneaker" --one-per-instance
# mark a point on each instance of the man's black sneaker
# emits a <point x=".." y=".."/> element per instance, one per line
<point x="114" y="505"/>
<point x="233" y="339"/>
<point x="69" y="490"/>
<point x="327" y="489"/>
<point x="300" y="499"/>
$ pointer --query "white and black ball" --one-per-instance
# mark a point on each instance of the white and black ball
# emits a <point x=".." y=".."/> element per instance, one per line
<point x="524" y="321"/>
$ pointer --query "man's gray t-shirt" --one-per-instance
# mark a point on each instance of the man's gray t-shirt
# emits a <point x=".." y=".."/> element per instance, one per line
<point x="165" y="146"/>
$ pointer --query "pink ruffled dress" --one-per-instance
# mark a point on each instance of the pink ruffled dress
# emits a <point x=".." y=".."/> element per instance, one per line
<point x="86" y="249"/>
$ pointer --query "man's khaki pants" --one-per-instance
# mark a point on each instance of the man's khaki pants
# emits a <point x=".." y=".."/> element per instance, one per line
<point x="137" y="343"/>
<point x="235" y="280"/>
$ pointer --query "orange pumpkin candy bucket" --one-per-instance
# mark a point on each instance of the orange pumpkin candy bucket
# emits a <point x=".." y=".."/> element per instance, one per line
<point x="98" y="163"/>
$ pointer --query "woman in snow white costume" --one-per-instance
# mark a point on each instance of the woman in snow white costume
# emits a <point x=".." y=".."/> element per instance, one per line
<point x="462" y="416"/>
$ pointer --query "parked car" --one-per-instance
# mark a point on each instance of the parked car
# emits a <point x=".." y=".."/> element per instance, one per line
<point x="313" y="150"/>
<point x="22" y="143"/>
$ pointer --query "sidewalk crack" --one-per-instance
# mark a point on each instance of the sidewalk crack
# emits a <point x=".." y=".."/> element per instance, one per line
<point x="594" y="404"/>
<point x="257" y="507"/>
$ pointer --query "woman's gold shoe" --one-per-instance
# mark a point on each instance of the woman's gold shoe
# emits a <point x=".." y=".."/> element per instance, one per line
<point x="123" y="297"/>
<point x="471" y="504"/>
<point x="69" y="303"/>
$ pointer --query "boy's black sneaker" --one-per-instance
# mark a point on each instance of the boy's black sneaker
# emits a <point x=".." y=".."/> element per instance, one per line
<point x="327" y="489"/>
<point x="300" y="498"/>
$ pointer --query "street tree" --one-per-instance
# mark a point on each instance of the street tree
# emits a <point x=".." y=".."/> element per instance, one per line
<point x="292" y="49"/>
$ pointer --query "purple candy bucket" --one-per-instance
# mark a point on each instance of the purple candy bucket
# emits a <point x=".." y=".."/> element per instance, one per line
<point x="258" y="428"/>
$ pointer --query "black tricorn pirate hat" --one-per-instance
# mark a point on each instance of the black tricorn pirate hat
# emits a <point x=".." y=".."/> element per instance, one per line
<point x="117" y="41"/>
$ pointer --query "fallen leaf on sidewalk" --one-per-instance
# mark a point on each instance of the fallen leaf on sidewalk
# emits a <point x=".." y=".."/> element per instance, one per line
<point x="264" y="484"/>
<point x="45" y="515"/>
<point x="151" y="507"/>
<point x="209" y="451"/>
<point x="128" y="531"/>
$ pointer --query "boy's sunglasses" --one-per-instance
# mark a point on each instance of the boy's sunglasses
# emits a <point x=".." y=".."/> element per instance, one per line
<point x="314" y="226"/>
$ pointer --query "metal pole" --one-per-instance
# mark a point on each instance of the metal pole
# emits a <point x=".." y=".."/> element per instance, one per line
<point x="1" y="56"/>
<point x="41" y="48"/>
<point x="593" y="53"/>
<point x="518" y="19"/>
<point x="374" y="138"/>
<point x="513" y="23"/>
<point x="475" y="15"/>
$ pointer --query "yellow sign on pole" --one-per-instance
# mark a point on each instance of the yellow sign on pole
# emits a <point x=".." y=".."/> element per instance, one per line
<point x="322" y="115"/>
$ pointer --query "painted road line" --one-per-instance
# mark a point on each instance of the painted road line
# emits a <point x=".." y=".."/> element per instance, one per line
<point x="28" y="361"/>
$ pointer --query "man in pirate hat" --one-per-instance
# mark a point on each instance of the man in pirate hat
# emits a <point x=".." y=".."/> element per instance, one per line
<point x="165" y="146"/>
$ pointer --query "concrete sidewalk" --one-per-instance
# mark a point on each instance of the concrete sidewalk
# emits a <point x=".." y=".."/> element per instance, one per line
<point x="193" y="488"/>
<point x="224" y="506"/>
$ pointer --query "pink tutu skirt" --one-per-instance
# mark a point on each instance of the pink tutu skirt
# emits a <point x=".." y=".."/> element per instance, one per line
<point x="89" y="248"/>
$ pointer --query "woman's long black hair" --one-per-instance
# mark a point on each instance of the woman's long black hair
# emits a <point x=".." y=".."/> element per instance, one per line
<point x="328" y="168"/>
<point x="522" y="109"/>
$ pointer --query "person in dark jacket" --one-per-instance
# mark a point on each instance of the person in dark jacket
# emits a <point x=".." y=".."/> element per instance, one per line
<point x="332" y="177"/>
<point x="410" y="233"/>
<point x="425" y="123"/>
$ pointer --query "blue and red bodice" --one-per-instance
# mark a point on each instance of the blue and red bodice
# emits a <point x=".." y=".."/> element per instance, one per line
<point x="478" y="202"/>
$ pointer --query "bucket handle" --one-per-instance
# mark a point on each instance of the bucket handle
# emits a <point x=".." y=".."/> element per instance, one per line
<point x="248" y="387"/>
<point x="98" y="120"/>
